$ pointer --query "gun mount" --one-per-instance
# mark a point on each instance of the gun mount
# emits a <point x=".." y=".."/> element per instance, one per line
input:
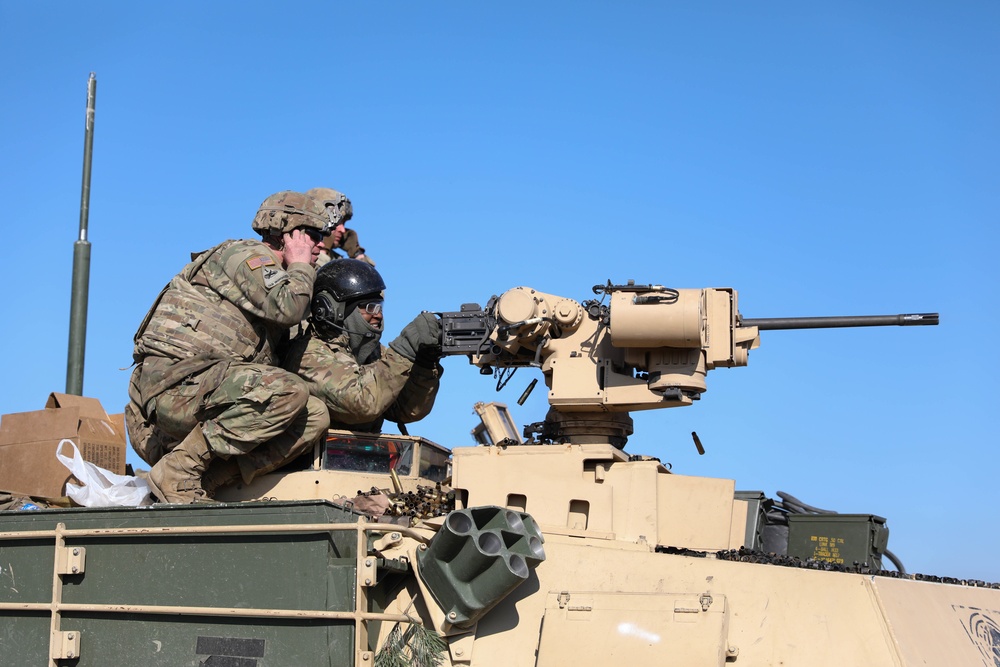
<point x="650" y="347"/>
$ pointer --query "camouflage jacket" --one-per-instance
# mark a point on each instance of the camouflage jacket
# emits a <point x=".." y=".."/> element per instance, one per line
<point x="350" y="245"/>
<point x="232" y="302"/>
<point x="360" y="397"/>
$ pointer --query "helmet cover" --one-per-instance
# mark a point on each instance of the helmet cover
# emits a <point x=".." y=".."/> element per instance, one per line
<point x="284" y="211"/>
<point x="338" y="209"/>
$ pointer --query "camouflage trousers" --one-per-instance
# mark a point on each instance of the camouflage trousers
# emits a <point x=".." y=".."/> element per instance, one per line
<point x="261" y="414"/>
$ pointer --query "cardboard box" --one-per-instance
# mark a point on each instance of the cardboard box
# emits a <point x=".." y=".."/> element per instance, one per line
<point x="28" y="442"/>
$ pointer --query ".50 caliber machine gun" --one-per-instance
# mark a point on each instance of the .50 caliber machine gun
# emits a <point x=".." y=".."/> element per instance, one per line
<point x="649" y="348"/>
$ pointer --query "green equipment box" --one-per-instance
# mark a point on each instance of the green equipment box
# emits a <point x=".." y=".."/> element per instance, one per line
<point x="843" y="539"/>
<point x="244" y="585"/>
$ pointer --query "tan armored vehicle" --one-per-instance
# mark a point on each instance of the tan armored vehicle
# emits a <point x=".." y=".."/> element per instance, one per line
<point x="563" y="549"/>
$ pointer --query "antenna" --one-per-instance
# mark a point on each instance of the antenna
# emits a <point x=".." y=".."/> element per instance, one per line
<point x="81" y="261"/>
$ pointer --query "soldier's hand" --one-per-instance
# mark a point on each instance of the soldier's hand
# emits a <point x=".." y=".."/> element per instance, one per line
<point x="421" y="336"/>
<point x="350" y="244"/>
<point x="298" y="247"/>
<point x="429" y="355"/>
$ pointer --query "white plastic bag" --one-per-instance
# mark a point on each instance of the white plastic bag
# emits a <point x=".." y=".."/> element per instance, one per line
<point x="100" y="487"/>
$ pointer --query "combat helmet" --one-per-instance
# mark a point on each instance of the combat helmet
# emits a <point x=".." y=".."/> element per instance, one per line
<point x="284" y="211"/>
<point x="338" y="209"/>
<point x="340" y="286"/>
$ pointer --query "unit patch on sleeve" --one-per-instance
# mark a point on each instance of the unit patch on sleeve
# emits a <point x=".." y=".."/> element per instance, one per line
<point x="259" y="261"/>
<point x="273" y="276"/>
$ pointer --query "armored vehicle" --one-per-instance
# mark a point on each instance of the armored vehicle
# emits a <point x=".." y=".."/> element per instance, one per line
<point x="555" y="548"/>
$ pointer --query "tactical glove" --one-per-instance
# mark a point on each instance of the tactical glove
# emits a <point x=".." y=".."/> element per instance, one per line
<point x="423" y="334"/>
<point x="428" y="356"/>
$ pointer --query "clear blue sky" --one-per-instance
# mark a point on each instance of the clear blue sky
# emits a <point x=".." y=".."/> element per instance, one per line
<point x="822" y="158"/>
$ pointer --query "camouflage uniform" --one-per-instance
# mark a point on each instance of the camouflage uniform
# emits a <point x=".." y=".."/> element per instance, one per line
<point x="361" y="396"/>
<point x="352" y="246"/>
<point x="207" y="354"/>
<point x="349" y="244"/>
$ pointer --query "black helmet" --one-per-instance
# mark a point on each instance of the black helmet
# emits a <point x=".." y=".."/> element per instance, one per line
<point x="340" y="285"/>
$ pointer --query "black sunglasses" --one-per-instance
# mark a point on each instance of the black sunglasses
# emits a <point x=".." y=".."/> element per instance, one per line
<point x="316" y="235"/>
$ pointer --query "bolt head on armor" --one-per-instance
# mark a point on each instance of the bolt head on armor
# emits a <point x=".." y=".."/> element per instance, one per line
<point x="284" y="211"/>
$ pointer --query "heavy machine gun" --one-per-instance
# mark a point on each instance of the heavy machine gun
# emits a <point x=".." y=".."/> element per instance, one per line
<point x="650" y="347"/>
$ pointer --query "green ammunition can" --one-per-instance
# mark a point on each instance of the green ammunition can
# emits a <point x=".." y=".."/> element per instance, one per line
<point x="843" y="539"/>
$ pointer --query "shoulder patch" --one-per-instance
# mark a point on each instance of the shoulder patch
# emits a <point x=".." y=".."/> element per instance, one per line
<point x="259" y="261"/>
<point x="273" y="276"/>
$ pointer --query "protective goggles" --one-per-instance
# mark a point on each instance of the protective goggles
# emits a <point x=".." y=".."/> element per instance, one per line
<point x="372" y="307"/>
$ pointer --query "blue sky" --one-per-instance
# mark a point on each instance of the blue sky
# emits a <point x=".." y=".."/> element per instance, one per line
<point x="823" y="159"/>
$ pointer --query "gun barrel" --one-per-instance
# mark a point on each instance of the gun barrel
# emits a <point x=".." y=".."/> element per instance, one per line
<point x="903" y="320"/>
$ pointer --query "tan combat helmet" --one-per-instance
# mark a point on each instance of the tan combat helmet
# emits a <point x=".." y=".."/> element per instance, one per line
<point x="338" y="209"/>
<point x="284" y="211"/>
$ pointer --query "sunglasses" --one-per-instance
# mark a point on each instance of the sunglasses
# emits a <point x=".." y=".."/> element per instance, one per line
<point x="316" y="235"/>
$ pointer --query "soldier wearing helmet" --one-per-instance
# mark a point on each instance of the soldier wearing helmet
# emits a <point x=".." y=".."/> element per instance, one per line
<point x="343" y="362"/>
<point x="339" y="210"/>
<point x="208" y="402"/>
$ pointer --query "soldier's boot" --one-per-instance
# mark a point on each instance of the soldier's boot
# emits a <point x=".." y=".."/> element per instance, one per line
<point x="220" y="473"/>
<point x="176" y="478"/>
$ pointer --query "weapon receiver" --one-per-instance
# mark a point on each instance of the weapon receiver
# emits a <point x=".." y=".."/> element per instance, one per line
<point x="650" y="347"/>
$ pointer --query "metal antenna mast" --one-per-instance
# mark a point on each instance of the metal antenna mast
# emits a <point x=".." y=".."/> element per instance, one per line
<point x="81" y="261"/>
